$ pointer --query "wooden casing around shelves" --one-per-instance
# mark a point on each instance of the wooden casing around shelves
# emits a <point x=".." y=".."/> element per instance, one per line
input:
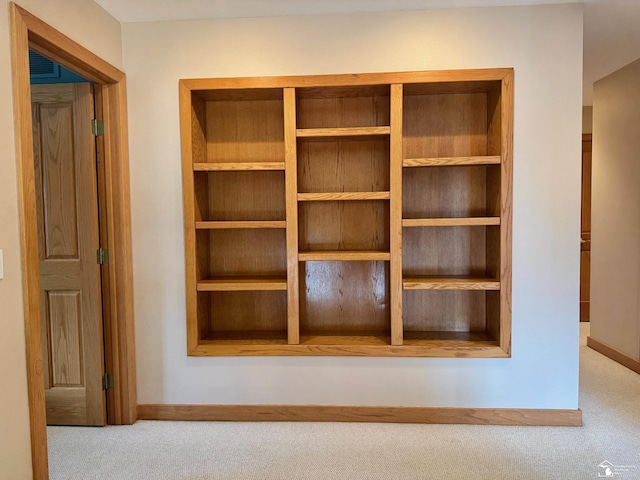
<point x="349" y="214"/>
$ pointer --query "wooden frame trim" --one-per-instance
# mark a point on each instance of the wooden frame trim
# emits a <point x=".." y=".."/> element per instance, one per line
<point x="27" y="32"/>
<point x="614" y="354"/>
<point x="339" y="413"/>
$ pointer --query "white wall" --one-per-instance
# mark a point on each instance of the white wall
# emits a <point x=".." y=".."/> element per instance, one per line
<point x="91" y="26"/>
<point x="615" y="224"/>
<point x="543" y="43"/>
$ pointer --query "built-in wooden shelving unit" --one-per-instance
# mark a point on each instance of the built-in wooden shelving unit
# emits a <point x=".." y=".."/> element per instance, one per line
<point x="349" y="214"/>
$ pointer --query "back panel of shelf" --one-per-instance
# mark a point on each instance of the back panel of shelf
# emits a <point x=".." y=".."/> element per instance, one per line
<point x="243" y="317"/>
<point x="360" y="165"/>
<point x="342" y="107"/>
<point x="238" y="126"/>
<point x="451" y="251"/>
<point x="344" y="225"/>
<point x="344" y="297"/>
<point x="239" y="195"/>
<point x="241" y="253"/>
<point x="450" y="192"/>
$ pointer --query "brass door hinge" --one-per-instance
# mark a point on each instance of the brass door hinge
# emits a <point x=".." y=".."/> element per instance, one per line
<point x="102" y="256"/>
<point x="107" y="381"/>
<point x="97" y="127"/>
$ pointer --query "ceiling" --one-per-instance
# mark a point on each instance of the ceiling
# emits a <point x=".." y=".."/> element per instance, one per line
<point x="611" y="33"/>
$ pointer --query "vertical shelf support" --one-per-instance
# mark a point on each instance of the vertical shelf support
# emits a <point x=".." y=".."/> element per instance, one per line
<point x="395" y="222"/>
<point x="506" y="207"/>
<point x="291" y="186"/>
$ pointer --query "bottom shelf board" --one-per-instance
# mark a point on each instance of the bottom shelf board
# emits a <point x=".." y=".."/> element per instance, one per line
<point x="248" y="338"/>
<point x="416" y="344"/>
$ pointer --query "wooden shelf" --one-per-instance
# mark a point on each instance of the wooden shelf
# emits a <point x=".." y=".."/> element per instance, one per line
<point x="230" y="225"/>
<point x="450" y="222"/>
<point x="342" y="132"/>
<point x="346" y="256"/>
<point x="450" y="283"/>
<point x="246" y="337"/>
<point x="238" y="166"/>
<point x="450" y="161"/>
<point x="324" y="248"/>
<point x="450" y="340"/>
<point x="344" y="338"/>
<point x="241" y="284"/>
<point x="320" y="197"/>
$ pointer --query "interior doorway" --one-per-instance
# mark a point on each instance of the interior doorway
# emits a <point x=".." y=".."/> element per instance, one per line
<point x="585" y="230"/>
<point x="28" y="32"/>
<point x="71" y="297"/>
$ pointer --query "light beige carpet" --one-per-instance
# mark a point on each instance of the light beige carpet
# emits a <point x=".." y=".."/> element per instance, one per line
<point x="609" y="398"/>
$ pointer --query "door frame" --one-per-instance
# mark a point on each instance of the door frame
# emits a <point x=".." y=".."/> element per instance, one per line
<point x="27" y="31"/>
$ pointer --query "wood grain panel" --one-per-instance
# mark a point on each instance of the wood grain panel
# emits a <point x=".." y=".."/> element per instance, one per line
<point x="444" y="251"/>
<point x="344" y="256"/>
<point x="395" y="215"/>
<point x="291" y="188"/>
<point x="450" y="222"/>
<point x="246" y="252"/>
<point x="346" y="296"/>
<point x="237" y="166"/>
<point x="444" y="192"/>
<point x="506" y="210"/>
<point x="362" y="225"/>
<point x="245" y="131"/>
<point x="227" y="225"/>
<point x="245" y="196"/>
<point x="343" y="166"/>
<point x="471" y="80"/>
<point x="346" y="196"/>
<point x="450" y="161"/>
<point x="248" y="311"/>
<point x="358" y="108"/>
<point x="328" y="134"/>
<point x="382" y="414"/>
<point x="63" y="321"/>
<point x="450" y="283"/>
<point x="445" y="125"/>
<point x="60" y="234"/>
<point x="444" y="311"/>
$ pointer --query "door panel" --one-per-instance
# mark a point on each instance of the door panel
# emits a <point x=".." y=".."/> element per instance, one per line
<point x="585" y="234"/>
<point x="66" y="191"/>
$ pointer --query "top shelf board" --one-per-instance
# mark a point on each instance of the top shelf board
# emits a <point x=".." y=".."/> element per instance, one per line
<point x="344" y="91"/>
<point x="451" y="161"/>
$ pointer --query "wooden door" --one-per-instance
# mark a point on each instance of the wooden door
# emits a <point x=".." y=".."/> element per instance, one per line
<point x="66" y="191"/>
<point x="585" y="230"/>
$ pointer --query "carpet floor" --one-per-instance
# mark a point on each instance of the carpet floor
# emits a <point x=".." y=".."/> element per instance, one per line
<point x="149" y="450"/>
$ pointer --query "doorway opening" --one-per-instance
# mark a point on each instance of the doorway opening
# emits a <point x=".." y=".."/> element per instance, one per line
<point x="28" y="32"/>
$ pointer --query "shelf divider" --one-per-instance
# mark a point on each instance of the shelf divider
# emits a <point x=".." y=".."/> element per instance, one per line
<point x="319" y="197"/>
<point x="237" y="166"/>
<point x="230" y="225"/>
<point x="451" y="161"/>
<point x="343" y="256"/>
<point x="342" y="132"/>
<point x="395" y="214"/>
<point x="241" y="284"/>
<point x="291" y="190"/>
<point x="450" y="222"/>
<point x="450" y="283"/>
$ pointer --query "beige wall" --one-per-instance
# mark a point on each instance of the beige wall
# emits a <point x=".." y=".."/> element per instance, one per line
<point x="615" y="223"/>
<point x="543" y="44"/>
<point x="85" y="22"/>
<point x="587" y="119"/>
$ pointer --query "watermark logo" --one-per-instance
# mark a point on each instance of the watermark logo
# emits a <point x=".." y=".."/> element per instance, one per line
<point x="609" y="470"/>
